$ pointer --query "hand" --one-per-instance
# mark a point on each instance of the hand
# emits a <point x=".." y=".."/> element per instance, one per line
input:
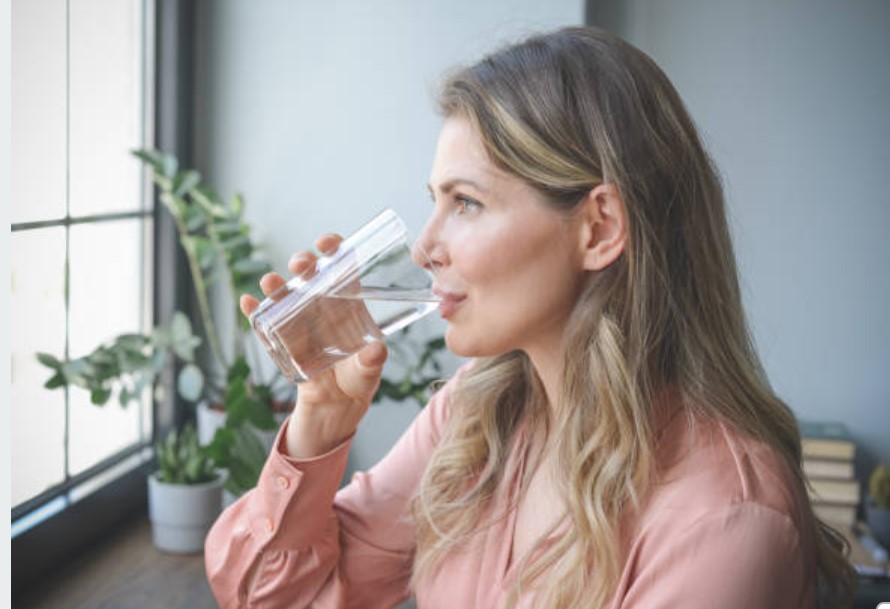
<point x="330" y="404"/>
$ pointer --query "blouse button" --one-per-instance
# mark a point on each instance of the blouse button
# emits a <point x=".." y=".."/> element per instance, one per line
<point x="283" y="483"/>
<point x="267" y="524"/>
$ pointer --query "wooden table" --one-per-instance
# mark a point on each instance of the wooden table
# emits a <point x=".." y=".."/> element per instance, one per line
<point x="126" y="572"/>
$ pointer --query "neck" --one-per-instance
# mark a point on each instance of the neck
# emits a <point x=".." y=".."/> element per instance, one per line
<point x="547" y="361"/>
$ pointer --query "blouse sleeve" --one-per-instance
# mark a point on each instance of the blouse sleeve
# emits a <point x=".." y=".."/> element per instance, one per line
<point x="746" y="555"/>
<point x="295" y="541"/>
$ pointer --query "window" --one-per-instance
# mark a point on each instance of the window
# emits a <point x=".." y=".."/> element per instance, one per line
<point x="82" y="236"/>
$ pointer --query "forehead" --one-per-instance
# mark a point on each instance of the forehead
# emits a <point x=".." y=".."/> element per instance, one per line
<point x="460" y="154"/>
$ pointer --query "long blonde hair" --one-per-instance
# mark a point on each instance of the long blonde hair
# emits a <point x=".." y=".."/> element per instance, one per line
<point x="565" y="112"/>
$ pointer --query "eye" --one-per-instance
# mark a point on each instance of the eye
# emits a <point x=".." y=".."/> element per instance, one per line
<point x="466" y="205"/>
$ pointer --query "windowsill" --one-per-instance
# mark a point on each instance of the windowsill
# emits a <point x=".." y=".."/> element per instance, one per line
<point x="64" y="537"/>
<point x="126" y="572"/>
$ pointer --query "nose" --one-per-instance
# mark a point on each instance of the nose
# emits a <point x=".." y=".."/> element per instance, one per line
<point x="429" y="250"/>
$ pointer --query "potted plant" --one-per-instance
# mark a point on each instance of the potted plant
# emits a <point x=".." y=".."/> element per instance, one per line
<point x="184" y="494"/>
<point x="877" y="507"/>
<point x="243" y="410"/>
<point x="218" y="247"/>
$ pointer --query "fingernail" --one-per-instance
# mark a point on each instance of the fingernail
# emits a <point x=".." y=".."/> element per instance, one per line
<point x="377" y="357"/>
<point x="297" y="259"/>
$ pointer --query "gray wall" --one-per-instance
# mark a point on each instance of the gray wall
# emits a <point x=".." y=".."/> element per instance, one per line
<point x="793" y="100"/>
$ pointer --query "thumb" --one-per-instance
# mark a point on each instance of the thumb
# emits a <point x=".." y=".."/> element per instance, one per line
<point x="373" y="356"/>
<point x="360" y="375"/>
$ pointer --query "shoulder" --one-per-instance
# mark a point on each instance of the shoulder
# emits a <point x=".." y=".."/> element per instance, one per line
<point x="723" y="503"/>
<point x="742" y="554"/>
<point x="707" y="465"/>
<point x="710" y="472"/>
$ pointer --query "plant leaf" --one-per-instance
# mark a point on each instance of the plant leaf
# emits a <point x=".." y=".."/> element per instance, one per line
<point x="58" y="380"/>
<point x="259" y="413"/>
<point x="251" y="266"/>
<point x="204" y="252"/>
<point x="228" y="227"/>
<point x="236" y="402"/>
<point x="185" y="181"/>
<point x="49" y="361"/>
<point x="132" y="341"/>
<point x="124" y="397"/>
<point x="238" y="370"/>
<point x="436" y="344"/>
<point x="152" y="157"/>
<point x="100" y="396"/>
<point x="233" y="243"/>
<point x="180" y="327"/>
<point x="237" y="204"/>
<point x="169" y="165"/>
<point x="218" y="449"/>
<point x="194" y="218"/>
<point x="209" y="202"/>
<point x="190" y="383"/>
<point x="246" y="458"/>
<point x="131" y="361"/>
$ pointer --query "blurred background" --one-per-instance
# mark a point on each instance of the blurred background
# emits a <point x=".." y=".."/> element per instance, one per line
<point x="322" y="113"/>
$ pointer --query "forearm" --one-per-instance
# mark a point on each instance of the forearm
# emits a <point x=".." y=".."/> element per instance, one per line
<point x="279" y="543"/>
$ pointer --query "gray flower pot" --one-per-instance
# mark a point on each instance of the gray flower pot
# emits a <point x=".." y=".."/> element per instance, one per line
<point x="879" y="522"/>
<point x="181" y="514"/>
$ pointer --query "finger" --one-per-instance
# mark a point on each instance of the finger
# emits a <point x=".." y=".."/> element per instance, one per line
<point x="359" y="376"/>
<point x="302" y="264"/>
<point x="271" y="283"/>
<point x="328" y="244"/>
<point x="372" y="356"/>
<point x="248" y="304"/>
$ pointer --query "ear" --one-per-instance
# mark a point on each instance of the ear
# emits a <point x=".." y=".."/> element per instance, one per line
<point x="603" y="225"/>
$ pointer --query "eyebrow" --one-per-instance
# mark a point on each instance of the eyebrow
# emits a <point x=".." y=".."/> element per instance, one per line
<point x="450" y="184"/>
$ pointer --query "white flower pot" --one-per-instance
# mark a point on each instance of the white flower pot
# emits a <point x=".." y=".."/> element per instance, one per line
<point x="182" y="514"/>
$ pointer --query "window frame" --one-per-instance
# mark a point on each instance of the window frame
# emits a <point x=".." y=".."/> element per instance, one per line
<point x="72" y="529"/>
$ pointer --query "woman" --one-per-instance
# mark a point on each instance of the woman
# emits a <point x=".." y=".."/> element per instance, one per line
<point x="614" y="442"/>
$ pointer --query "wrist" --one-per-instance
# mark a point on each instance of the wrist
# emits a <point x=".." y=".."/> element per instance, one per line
<point x="309" y="436"/>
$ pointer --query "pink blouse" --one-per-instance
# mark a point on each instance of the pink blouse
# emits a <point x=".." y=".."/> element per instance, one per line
<point x="720" y="529"/>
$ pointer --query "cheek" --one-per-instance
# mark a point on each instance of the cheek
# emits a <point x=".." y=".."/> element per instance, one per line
<point x="524" y="275"/>
<point x="482" y="260"/>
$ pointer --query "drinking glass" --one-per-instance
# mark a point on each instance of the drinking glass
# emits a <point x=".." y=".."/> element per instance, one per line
<point x="366" y="290"/>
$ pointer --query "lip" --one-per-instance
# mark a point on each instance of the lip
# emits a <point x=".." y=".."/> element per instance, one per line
<point x="449" y="301"/>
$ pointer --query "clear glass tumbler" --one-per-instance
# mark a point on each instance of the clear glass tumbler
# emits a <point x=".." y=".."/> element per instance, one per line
<point x="368" y="289"/>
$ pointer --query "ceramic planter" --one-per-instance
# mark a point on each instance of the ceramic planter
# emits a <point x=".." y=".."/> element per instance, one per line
<point x="879" y="522"/>
<point x="182" y="514"/>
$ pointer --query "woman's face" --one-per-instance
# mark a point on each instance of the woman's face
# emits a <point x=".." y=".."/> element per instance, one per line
<point x="508" y="266"/>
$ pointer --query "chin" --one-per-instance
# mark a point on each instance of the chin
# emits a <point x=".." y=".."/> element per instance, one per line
<point x="460" y="343"/>
<point x="457" y="347"/>
<point x="457" y="343"/>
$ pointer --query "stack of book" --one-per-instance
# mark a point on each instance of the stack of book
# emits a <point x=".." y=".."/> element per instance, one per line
<point x="828" y="453"/>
